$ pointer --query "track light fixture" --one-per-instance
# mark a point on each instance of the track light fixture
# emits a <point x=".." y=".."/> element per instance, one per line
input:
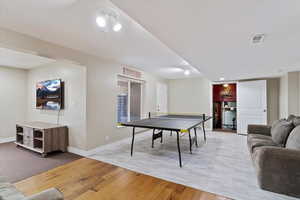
<point x="108" y="20"/>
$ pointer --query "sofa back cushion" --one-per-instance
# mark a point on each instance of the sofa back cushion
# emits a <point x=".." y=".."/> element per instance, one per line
<point x="291" y="117"/>
<point x="281" y="130"/>
<point x="293" y="141"/>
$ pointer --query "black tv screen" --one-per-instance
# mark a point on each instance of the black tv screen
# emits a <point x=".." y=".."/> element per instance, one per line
<point x="49" y="95"/>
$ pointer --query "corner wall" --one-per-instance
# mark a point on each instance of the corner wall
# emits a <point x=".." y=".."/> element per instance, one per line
<point x="13" y="100"/>
<point x="102" y="103"/>
<point x="101" y="87"/>
<point x="290" y="94"/>
<point x="273" y="88"/>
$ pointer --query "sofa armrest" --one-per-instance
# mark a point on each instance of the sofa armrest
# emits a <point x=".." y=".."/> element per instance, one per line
<point x="278" y="158"/>
<point x="259" y="129"/>
<point x="50" y="194"/>
<point x="278" y="169"/>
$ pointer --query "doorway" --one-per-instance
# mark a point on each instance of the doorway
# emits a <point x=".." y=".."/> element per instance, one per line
<point x="225" y="107"/>
<point x="162" y="97"/>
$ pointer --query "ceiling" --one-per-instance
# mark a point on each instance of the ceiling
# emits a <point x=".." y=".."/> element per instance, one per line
<point x="71" y="23"/>
<point x="17" y="59"/>
<point x="215" y="36"/>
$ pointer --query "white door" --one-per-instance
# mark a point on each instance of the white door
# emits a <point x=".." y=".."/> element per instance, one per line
<point x="162" y="97"/>
<point x="251" y="104"/>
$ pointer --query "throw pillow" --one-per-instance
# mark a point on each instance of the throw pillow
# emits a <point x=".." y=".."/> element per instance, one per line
<point x="281" y="131"/>
<point x="296" y="121"/>
<point x="290" y="117"/>
<point x="293" y="141"/>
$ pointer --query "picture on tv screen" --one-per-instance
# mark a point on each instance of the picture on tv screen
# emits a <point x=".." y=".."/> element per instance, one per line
<point x="49" y="95"/>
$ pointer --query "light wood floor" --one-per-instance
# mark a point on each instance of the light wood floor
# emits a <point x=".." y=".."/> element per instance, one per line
<point x="87" y="179"/>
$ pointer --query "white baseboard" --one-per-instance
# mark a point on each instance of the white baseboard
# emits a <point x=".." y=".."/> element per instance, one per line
<point x="83" y="153"/>
<point x="86" y="153"/>
<point x="5" y="140"/>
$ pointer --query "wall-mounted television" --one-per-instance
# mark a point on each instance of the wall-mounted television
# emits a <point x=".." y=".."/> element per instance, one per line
<point x="50" y="95"/>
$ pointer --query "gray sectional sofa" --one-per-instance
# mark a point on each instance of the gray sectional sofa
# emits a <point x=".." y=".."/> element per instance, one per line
<point x="275" y="152"/>
<point x="9" y="192"/>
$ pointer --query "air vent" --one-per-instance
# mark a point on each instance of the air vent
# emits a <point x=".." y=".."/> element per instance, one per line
<point x="258" y="38"/>
<point x="131" y="72"/>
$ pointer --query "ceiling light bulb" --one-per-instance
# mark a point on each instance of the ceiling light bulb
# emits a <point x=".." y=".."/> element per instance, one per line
<point x="117" y="27"/>
<point x="101" y="22"/>
<point x="225" y="85"/>
<point x="187" y="72"/>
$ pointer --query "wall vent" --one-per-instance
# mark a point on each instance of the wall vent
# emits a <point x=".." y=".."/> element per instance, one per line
<point x="258" y="38"/>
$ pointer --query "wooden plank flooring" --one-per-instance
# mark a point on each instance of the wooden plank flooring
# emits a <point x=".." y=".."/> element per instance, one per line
<point x="87" y="179"/>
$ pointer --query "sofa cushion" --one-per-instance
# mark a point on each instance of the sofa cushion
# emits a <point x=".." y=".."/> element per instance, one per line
<point x="9" y="192"/>
<point x="259" y="136"/>
<point x="254" y="143"/>
<point x="293" y="141"/>
<point x="281" y="130"/>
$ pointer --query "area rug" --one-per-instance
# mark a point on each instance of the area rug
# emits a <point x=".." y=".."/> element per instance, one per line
<point x="221" y="166"/>
<point x="17" y="163"/>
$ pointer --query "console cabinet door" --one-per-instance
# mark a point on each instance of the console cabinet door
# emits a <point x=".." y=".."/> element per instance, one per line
<point x="28" y="136"/>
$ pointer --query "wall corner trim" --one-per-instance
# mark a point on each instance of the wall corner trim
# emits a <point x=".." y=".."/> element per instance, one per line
<point x="78" y="151"/>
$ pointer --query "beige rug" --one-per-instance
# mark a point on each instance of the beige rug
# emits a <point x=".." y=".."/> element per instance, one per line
<point x="221" y="166"/>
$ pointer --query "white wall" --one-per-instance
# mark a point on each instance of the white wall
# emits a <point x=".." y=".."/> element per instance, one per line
<point x="74" y="113"/>
<point x="102" y="103"/>
<point x="283" y="97"/>
<point x="101" y="87"/>
<point x="191" y="95"/>
<point x="290" y="94"/>
<point x="194" y="95"/>
<point x="13" y="91"/>
<point x="293" y="93"/>
<point x="273" y="87"/>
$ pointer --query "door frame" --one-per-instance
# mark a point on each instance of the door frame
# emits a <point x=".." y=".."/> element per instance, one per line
<point x="158" y="86"/>
<point x="266" y="108"/>
<point x="211" y="97"/>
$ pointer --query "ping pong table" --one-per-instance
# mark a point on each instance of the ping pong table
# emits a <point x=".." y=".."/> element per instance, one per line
<point x="178" y="123"/>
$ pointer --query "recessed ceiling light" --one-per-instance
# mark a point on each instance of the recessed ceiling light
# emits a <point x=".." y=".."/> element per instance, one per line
<point x="187" y="72"/>
<point x="117" y="27"/>
<point x="101" y="22"/>
<point x="222" y="79"/>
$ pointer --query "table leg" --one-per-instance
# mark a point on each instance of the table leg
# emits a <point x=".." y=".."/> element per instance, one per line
<point x="190" y="138"/>
<point x="204" y="131"/>
<point x="196" y="138"/>
<point x="171" y="133"/>
<point x="178" y="146"/>
<point x="133" y="132"/>
<point x="153" y="138"/>
<point x="161" y="139"/>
